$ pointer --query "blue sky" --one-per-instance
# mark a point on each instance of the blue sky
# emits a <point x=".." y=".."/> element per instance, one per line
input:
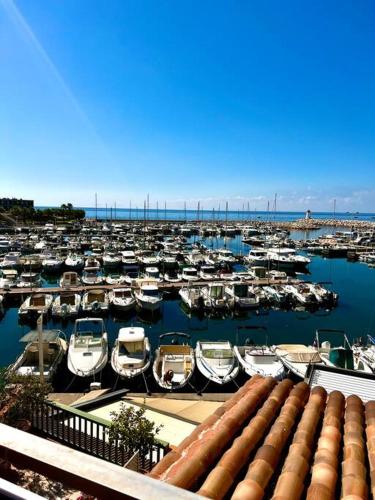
<point x="189" y="100"/>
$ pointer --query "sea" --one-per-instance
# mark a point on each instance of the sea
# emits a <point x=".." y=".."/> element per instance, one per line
<point x="354" y="314"/>
<point x="139" y="213"/>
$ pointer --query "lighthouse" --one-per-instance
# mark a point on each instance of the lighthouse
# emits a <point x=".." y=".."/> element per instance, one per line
<point x="308" y="214"/>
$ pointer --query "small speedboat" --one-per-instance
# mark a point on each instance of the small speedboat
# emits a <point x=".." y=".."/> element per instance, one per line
<point x="258" y="358"/>
<point x="70" y="278"/>
<point x="240" y="296"/>
<point x="131" y="352"/>
<point x="174" y="363"/>
<point x="88" y="347"/>
<point x="216" y="361"/>
<point x="66" y="305"/>
<point x="53" y="349"/>
<point x="148" y="297"/>
<point x="38" y="303"/>
<point x="296" y="358"/>
<point x="75" y="262"/>
<point x="121" y="299"/>
<point x="192" y="297"/>
<point x="95" y="301"/>
<point x="115" y="279"/>
<point x="92" y="276"/>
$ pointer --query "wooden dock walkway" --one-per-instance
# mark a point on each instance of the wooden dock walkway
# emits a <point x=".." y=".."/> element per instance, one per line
<point x="163" y="286"/>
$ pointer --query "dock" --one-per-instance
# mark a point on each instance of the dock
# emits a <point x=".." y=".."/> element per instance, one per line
<point x="163" y="286"/>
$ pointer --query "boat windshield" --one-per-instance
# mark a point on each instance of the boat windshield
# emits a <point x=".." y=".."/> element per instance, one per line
<point x="135" y="348"/>
<point x="89" y="327"/>
<point x="216" y="292"/>
<point x="218" y="353"/>
<point x="241" y="290"/>
<point x="151" y="292"/>
<point x="190" y="272"/>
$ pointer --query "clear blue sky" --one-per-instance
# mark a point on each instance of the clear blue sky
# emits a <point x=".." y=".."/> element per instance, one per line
<point x="189" y="100"/>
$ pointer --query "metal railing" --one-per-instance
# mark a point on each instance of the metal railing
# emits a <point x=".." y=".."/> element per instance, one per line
<point x="89" y="434"/>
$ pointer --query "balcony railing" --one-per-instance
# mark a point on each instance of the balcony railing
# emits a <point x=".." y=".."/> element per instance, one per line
<point x="89" y="434"/>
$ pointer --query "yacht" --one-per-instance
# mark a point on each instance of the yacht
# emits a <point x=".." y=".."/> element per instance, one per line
<point x="54" y="348"/>
<point x="216" y="361"/>
<point x="152" y="274"/>
<point x="88" y="347"/>
<point x="131" y="354"/>
<point x="174" y="363"/>
<point x="121" y="299"/>
<point x="287" y="259"/>
<point x="129" y="261"/>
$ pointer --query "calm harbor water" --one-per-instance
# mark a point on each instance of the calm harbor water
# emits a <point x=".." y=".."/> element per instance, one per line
<point x="355" y="312"/>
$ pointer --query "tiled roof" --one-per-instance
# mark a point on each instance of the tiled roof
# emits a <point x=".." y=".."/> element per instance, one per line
<point x="280" y="441"/>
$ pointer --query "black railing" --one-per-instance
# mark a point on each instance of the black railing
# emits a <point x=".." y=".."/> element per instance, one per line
<point x="89" y="434"/>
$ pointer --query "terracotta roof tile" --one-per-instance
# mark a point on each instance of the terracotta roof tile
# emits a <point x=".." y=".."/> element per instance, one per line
<point x="280" y="441"/>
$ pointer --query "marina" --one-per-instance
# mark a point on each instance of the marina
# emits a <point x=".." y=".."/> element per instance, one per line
<point x="226" y="282"/>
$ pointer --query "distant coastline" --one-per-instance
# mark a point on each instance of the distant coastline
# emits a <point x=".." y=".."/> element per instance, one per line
<point x="215" y="215"/>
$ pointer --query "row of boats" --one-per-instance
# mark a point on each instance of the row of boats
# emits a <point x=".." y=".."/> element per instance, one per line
<point x="175" y="360"/>
<point x="215" y="296"/>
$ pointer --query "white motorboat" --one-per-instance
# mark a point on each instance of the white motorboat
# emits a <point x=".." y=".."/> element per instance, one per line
<point x="275" y="294"/>
<point x="287" y="259"/>
<point x="297" y="357"/>
<point x="29" y="280"/>
<point x="38" y="303"/>
<point x="239" y="295"/>
<point x="148" y="297"/>
<point x="336" y="350"/>
<point x="171" y="276"/>
<point x="115" y="279"/>
<point x="174" y="363"/>
<point x="301" y="294"/>
<point x="66" y="305"/>
<point x="257" y="257"/>
<point x="88" y="347"/>
<point x="52" y="264"/>
<point x="208" y="273"/>
<point x="129" y="261"/>
<point x="216" y="361"/>
<point x="92" y="276"/>
<point x="258" y="358"/>
<point x="69" y="279"/>
<point x="11" y="260"/>
<point x="74" y="262"/>
<point x="54" y="348"/>
<point x="225" y="256"/>
<point x="95" y="301"/>
<point x="121" y="299"/>
<point x="111" y="260"/>
<point x="152" y="273"/>
<point x="192" y="297"/>
<point x="8" y="279"/>
<point x="189" y="274"/>
<point x="214" y="296"/>
<point x="92" y="262"/>
<point x="131" y="354"/>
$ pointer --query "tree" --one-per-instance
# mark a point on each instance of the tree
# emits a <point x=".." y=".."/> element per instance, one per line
<point x="132" y="430"/>
<point x="18" y="395"/>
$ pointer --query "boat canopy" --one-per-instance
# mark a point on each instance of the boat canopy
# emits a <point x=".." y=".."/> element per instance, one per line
<point x="47" y="336"/>
<point x="132" y="334"/>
